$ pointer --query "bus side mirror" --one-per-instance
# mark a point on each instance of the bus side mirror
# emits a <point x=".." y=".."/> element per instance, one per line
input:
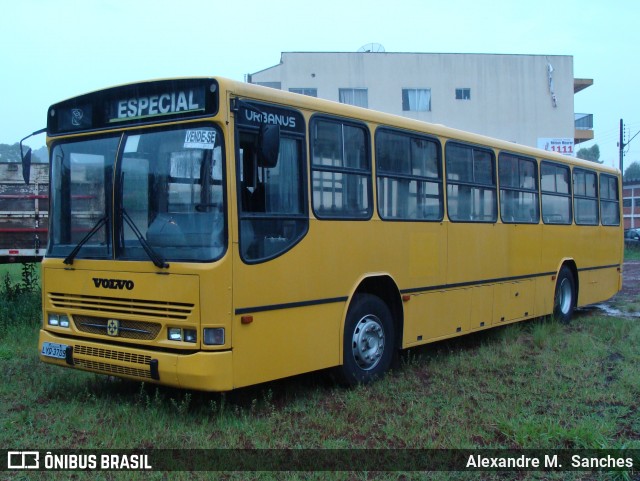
<point x="268" y="145"/>
<point x="26" y="157"/>
<point x="26" y="165"/>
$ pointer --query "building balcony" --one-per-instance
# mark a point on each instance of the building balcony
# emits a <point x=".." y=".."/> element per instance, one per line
<point x="583" y="128"/>
<point x="581" y="84"/>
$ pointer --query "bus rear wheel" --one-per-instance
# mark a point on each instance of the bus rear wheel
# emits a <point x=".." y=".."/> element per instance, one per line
<point x="565" y="296"/>
<point x="369" y="340"/>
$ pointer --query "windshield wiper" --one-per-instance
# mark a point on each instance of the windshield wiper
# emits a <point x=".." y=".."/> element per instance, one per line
<point x="156" y="258"/>
<point x="101" y="222"/>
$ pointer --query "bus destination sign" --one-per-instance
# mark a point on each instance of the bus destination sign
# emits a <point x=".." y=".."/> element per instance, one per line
<point x="135" y="104"/>
<point x="182" y="101"/>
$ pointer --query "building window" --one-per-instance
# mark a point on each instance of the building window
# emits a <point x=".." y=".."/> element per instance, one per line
<point x="357" y="97"/>
<point x="273" y="85"/>
<point x="416" y="100"/>
<point x="463" y="94"/>
<point x="305" y="91"/>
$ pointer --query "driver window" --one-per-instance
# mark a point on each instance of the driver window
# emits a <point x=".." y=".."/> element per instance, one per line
<point x="271" y="199"/>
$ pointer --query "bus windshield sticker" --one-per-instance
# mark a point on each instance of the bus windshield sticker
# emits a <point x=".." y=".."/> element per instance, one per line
<point x="200" y="139"/>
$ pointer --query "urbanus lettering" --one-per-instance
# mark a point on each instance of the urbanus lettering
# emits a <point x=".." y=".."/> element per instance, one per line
<point x="118" y="284"/>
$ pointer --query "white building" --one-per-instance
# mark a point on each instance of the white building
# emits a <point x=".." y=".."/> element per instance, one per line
<point x="526" y="99"/>
<point x="631" y="204"/>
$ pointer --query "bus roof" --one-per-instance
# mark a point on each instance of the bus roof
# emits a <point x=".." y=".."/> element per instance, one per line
<point x="369" y="115"/>
<point x="243" y="89"/>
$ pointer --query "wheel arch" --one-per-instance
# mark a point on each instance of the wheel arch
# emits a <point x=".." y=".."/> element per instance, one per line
<point x="381" y="285"/>
<point x="572" y="266"/>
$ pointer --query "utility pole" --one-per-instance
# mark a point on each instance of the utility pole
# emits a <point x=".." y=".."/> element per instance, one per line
<point x="622" y="144"/>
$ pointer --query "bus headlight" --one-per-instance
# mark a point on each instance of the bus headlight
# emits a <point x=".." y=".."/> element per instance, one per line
<point x="190" y="335"/>
<point x="174" y="334"/>
<point x="61" y="320"/>
<point x="213" y="336"/>
<point x="178" y="334"/>
<point x="53" y="319"/>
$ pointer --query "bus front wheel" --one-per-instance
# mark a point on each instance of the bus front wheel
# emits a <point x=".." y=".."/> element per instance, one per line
<point x="369" y="341"/>
<point x="565" y="296"/>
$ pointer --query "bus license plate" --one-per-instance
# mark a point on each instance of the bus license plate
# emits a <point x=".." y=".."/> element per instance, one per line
<point x="51" y="349"/>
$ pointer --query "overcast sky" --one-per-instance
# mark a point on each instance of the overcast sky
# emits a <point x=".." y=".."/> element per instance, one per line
<point x="53" y="50"/>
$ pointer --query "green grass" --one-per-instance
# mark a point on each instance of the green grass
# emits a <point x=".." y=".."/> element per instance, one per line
<point x="537" y="384"/>
<point x="632" y="253"/>
<point x="14" y="271"/>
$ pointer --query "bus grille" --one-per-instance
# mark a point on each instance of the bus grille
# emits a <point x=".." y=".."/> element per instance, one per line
<point x="112" y="368"/>
<point x="143" y="331"/>
<point x="150" y="309"/>
<point x="109" y="354"/>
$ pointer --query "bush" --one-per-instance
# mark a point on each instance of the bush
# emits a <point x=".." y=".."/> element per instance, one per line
<point x="22" y="303"/>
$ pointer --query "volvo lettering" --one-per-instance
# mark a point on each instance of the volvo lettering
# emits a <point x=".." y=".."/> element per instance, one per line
<point x="113" y="283"/>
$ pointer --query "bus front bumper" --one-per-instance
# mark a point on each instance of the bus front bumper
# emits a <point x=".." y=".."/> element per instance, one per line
<point x="204" y="371"/>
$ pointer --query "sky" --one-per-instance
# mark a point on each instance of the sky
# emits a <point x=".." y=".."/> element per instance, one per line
<point x="53" y="50"/>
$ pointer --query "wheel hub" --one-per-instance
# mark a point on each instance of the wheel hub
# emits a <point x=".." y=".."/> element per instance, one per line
<point x="368" y="342"/>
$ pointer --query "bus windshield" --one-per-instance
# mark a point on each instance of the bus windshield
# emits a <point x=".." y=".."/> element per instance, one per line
<point x="161" y="193"/>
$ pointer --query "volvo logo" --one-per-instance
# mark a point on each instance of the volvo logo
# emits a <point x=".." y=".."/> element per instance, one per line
<point x="113" y="283"/>
<point x="113" y="327"/>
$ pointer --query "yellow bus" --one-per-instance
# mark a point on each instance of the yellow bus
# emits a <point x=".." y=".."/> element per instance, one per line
<point x="210" y="234"/>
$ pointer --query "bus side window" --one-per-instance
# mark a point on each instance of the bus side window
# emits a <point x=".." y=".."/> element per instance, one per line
<point x="251" y="189"/>
<point x="271" y="199"/>
<point x="471" y="183"/>
<point x="556" y="193"/>
<point x="341" y="170"/>
<point x="518" y="189"/>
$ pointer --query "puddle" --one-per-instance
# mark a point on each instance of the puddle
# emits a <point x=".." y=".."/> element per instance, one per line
<point x="607" y="310"/>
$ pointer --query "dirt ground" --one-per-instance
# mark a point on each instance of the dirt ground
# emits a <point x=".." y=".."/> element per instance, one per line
<point x="630" y="284"/>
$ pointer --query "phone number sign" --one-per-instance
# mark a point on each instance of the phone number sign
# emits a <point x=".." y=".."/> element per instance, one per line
<point x="561" y="146"/>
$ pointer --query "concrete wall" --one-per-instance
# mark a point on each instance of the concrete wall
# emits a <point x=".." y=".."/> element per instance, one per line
<point x="510" y="97"/>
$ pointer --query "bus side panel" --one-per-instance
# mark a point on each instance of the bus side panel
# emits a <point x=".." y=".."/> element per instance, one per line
<point x="296" y="303"/>
<point x="545" y="291"/>
<point x="286" y="342"/>
<point x="437" y="315"/>
<point x="598" y="285"/>
<point x="471" y="246"/>
<point x="598" y="262"/>
<point x="482" y="307"/>
<point x="521" y="249"/>
<point x="514" y="301"/>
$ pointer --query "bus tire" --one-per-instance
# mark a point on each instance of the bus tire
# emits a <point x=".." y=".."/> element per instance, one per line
<point x="565" y="298"/>
<point x="369" y="341"/>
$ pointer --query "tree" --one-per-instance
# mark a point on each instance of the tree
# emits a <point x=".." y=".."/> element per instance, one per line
<point x="632" y="173"/>
<point x="591" y="153"/>
<point x="10" y="153"/>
